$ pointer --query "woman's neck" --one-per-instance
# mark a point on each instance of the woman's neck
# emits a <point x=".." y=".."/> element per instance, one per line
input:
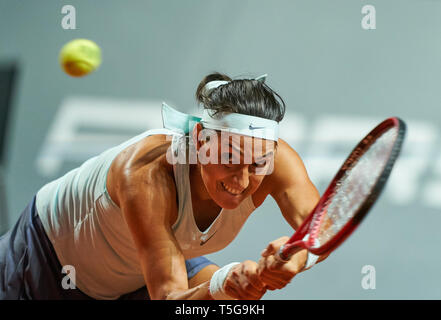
<point x="198" y="190"/>
<point x="205" y="210"/>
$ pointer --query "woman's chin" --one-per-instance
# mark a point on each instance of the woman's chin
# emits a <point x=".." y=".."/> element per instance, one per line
<point x="229" y="205"/>
<point x="225" y="199"/>
<point x="228" y="201"/>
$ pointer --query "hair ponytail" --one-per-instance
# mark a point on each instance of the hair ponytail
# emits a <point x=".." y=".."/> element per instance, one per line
<point x="245" y="96"/>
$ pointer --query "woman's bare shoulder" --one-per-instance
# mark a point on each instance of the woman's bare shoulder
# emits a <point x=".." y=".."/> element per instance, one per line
<point x="144" y="153"/>
<point x="138" y="161"/>
<point x="287" y="162"/>
<point x="281" y="158"/>
<point x="286" y="156"/>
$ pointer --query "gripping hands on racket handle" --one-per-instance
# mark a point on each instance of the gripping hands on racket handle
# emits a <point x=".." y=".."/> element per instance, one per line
<point x="286" y="251"/>
<point x="299" y="241"/>
<point x="276" y="273"/>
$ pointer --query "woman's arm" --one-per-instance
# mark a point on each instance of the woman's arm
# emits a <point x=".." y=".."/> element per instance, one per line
<point x="203" y="275"/>
<point x="145" y="195"/>
<point x="291" y="187"/>
<point x="296" y="197"/>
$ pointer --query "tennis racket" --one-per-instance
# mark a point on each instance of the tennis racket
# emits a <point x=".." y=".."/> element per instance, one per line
<point x="352" y="192"/>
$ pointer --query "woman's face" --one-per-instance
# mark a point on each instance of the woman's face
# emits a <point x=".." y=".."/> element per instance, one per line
<point x="233" y="166"/>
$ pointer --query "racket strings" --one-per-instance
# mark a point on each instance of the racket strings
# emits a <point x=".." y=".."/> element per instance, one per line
<point x="352" y="189"/>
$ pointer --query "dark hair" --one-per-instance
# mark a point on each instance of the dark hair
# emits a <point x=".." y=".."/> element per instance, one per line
<point x="245" y="96"/>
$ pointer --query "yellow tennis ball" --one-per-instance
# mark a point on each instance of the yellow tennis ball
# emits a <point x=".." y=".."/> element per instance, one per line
<point x="80" y="57"/>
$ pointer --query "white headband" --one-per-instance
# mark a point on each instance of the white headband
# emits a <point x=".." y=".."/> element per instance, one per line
<point x="239" y="123"/>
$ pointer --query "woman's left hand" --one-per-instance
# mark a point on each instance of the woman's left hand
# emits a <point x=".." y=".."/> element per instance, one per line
<point x="276" y="273"/>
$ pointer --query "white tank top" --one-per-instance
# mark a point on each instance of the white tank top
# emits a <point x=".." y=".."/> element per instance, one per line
<point x="88" y="231"/>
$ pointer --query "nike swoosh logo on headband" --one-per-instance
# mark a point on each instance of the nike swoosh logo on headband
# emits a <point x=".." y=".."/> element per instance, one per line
<point x="253" y="128"/>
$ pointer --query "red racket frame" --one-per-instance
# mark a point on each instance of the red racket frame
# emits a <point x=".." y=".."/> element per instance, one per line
<point x="295" y="243"/>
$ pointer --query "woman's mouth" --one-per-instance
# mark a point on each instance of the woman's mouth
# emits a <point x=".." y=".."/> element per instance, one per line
<point x="231" y="190"/>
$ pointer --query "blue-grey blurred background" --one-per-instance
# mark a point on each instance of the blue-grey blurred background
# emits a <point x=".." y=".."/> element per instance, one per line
<point x="338" y="80"/>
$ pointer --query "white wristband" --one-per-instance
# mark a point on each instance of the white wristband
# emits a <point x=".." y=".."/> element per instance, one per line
<point x="217" y="282"/>
<point x="312" y="258"/>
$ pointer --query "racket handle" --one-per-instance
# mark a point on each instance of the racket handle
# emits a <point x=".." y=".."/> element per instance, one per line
<point x="286" y="254"/>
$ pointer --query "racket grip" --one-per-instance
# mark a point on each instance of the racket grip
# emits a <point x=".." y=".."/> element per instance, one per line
<point x="286" y="252"/>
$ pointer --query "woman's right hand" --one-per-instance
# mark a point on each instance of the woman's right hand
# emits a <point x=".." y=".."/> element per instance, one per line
<point x="243" y="282"/>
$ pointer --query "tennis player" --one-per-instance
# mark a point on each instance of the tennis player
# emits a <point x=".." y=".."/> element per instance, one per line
<point x="136" y="221"/>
